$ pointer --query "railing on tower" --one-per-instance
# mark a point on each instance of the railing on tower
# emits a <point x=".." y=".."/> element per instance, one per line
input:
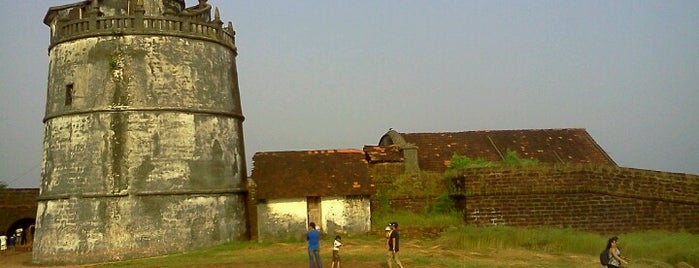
<point x="189" y="27"/>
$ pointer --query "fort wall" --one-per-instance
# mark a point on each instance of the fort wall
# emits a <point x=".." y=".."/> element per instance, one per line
<point x="16" y="205"/>
<point x="605" y="200"/>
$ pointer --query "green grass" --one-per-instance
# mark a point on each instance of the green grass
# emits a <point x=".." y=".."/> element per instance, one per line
<point x="647" y="247"/>
<point x="670" y="247"/>
<point x="537" y="239"/>
<point x="463" y="246"/>
<point x="229" y="253"/>
<point x="458" y="246"/>
<point x="407" y="218"/>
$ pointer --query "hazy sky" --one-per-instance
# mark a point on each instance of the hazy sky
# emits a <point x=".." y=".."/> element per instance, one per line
<point x="338" y="74"/>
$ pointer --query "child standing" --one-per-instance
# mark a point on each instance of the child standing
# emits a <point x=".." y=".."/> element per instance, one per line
<point x="336" y="251"/>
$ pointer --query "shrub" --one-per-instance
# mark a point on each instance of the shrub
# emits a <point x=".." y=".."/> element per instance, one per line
<point x="443" y="205"/>
<point x="512" y="159"/>
<point x="460" y="162"/>
<point x="509" y="159"/>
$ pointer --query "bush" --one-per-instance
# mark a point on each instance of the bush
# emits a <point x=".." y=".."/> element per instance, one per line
<point x="512" y="159"/>
<point x="418" y="184"/>
<point x="509" y="159"/>
<point x="460" y="162"/>
<point x="443" y="205"/>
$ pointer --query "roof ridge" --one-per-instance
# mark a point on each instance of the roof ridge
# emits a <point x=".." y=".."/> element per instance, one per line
<point x="315" y="151"/>
<point x="493" y="130"/>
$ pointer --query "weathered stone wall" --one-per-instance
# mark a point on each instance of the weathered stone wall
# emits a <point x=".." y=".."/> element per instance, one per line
<point x="383" y="175"/>
<point x="386" y="180"/>
<point x="601" y="199"/>
<point x="281" y="218"/>
<point x="143" y="146"/>
<point x="351" y="214"/>
<point x="288" y="217"/>
<point x="417" y="204"/>
<point x="98" y="229"/>
<point x="16" y="205"/>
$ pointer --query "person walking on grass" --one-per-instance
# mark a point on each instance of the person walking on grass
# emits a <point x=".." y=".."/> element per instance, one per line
<point x="336" y="251"/>
<point x="313" y="238"/>
<point x="393" y="242"/>
<point x="615" y="258"/>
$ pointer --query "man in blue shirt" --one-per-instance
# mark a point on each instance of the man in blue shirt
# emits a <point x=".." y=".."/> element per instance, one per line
<point x="313" y="238"/>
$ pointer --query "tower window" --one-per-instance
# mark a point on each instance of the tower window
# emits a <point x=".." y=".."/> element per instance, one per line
<point x="69" y="95"/>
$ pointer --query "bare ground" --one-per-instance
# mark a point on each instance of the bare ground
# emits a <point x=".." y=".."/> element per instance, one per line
<point x="413" y="254"/>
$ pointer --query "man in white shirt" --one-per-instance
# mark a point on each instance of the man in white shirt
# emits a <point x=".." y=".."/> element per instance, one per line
<point x="18" y="233"/>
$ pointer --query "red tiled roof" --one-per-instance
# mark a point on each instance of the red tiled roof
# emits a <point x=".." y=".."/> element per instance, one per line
<point x="382" y="154"/>
<point x="336" y="172"/>
<point x="547" y="145"/>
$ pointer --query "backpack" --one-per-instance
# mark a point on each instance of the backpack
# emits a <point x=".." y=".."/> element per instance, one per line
<point x="388" y="234"/>
<point x="604" y="257"/>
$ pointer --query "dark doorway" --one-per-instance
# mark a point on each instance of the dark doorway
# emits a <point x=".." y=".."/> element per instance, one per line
<point x="26" y="236"/>
<point x="314" y="211"/>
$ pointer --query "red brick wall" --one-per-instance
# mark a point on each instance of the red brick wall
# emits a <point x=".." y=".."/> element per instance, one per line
<point x="600" y="199"/>
<point x="16" y="204"/>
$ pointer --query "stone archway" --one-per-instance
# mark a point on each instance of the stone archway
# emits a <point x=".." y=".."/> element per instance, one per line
<point x="25" y="239"/>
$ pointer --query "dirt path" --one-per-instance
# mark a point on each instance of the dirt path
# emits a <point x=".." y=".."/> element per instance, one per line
<point x="13" y="259"/>
<point x="22" y="259"/>
<point x="16" y="259"/>
<point x="414" y="251"/>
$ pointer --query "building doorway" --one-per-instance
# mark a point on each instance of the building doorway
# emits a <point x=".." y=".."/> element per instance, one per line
<point x="314" y="211"/>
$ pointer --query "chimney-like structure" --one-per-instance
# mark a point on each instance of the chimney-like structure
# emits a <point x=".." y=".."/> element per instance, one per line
<point x="143" y="142"/>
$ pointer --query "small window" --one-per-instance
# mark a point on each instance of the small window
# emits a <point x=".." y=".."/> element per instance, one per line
<point x="69" y="95"/>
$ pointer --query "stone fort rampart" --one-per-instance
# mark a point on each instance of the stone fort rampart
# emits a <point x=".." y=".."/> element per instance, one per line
<point x="605" y="200"/>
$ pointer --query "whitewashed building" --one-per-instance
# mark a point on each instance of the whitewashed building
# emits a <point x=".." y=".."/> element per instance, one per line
<point x="293" y="188"/>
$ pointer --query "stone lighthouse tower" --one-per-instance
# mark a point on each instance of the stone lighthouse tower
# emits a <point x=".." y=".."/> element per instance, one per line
<point x="143" y="142"/>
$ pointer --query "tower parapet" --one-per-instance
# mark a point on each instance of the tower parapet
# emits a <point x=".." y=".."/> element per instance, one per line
<point x="143" y="141"/>
<point x="90" y="18"/>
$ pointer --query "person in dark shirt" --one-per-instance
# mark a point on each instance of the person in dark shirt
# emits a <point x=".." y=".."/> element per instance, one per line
<point x="11" y="241"/>
<point x="393" y="246"/>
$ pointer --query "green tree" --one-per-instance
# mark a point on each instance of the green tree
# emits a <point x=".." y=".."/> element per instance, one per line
<point x="3" y="185"/>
